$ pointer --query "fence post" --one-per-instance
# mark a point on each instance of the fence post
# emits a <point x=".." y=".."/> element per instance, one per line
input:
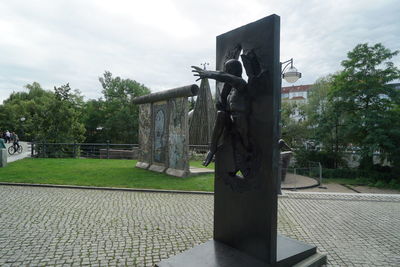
<point x="108" y="149"/>
<point x="320" y="173"/>
<point x="32" y="148"/>
<point x="74" y="149"/>
<point x="44" y="149"/>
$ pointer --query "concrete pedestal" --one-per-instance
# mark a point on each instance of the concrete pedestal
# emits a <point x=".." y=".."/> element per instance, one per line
<point x="290" y="252"/>
<point x="3" y="157"/>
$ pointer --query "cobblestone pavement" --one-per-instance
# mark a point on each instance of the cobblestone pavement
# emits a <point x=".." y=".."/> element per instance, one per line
<point x="51" y="226"/>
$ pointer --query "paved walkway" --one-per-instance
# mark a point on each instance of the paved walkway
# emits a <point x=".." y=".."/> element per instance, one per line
<point x="57" y="227"/>
<point x="295" y="181"/>
<point x="300" y="183"/>
<point x="25" y="153"/>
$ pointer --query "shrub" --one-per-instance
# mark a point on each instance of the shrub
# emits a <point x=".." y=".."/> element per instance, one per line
<point x="371" y="176"/>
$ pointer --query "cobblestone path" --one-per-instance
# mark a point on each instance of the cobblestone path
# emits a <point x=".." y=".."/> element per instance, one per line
<point x="64" y="227"/>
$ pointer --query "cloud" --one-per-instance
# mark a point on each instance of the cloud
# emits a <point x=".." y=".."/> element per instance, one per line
<point x="156" y="42"/>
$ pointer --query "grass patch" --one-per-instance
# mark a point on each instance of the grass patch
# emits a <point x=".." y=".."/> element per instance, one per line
<point x="392" y="184"/>
<point x="198" y="164"/>
<point x="99" y="172"/>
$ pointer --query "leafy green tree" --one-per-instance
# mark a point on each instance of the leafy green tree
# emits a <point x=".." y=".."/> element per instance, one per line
<point x="120" y="124"/>
<point x="28" y="105"/>
<point x="50" y="116"/>
<point x="369" y="106"/>
<point x="94" y="119"/>
<point x="325" y="122"/>
<point x="61" y="122"/>
<point x="294" y="128"/>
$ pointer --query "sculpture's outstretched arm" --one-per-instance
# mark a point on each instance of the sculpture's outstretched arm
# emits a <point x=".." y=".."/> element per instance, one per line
<point x="220" y="76"/>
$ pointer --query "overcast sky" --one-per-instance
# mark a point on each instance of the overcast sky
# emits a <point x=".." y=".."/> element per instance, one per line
<point x="155" y="42"/>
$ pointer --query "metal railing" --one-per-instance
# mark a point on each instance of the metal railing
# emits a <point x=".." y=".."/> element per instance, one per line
<point x="97" y="150"/>
<point x="198" y="152"/>
<point x="313" y="170"/>
<point x="84" y="150"/>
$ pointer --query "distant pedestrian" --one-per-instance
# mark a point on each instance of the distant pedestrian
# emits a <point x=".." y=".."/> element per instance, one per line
<point x="8" y="137"/>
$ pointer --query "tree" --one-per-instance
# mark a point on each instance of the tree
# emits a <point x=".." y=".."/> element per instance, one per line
<point x="49" y="116"/>
<point x="62" y="117"/>
<point x="28" y="105"/>
<point x="294" y="129"/>
<point x="120" y="123"/>
<point x="368" y="104"/>
<point x="94" y="117"/>
<point x="325" y="122"/>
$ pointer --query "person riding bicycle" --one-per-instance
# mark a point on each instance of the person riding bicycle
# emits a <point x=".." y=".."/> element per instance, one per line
<point x="15" y="141"/>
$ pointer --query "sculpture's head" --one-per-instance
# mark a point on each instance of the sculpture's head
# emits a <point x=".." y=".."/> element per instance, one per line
<point x="234" y="67"/>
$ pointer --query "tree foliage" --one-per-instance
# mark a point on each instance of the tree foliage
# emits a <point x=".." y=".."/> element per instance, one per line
<point x="355" y="109"/>
<point x="368" y="105"/>
<point x="62" y="115"/>
<point x="62" y="118"/>
<point x="325" y="122"/>
<point x="294" y="129"/>
<point x="115" y="118"/>
<point x="48" y="116"/>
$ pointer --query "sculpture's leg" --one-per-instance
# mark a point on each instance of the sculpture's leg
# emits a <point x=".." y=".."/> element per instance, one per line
<point x="241" y="125"/>
<point x="217" y="132"/>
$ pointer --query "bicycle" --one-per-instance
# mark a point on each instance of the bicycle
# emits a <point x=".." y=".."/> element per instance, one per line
<point x="13" y="149"/>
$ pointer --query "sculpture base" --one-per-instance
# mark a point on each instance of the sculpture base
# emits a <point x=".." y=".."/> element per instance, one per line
<point x="3" y="157"/>
<point x="214" y="253"/>
<point x="177" y="173"/>
<point x="157" y="168"/>
<point x="142" y="165"/>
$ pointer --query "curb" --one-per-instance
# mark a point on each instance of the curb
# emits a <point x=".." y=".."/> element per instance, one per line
<point x="110" y="188"/>
<point x="301" y="187"/>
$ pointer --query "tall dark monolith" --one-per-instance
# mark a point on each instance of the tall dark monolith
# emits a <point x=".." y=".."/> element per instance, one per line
<point x="245" y="144"/>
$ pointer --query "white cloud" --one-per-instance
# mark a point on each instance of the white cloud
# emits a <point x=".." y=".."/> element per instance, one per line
<point x="156" y="42"/>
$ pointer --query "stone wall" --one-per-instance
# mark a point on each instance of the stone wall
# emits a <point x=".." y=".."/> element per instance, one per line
<point x="145" y="144"/>
<point x="178" y="140"/>
<point x="164" y="131"/>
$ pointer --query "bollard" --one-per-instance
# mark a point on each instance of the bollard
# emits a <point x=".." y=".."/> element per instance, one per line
<point x="3" y="153"/>
<point x="108" y="149"/>
<point x="32" y="149"/>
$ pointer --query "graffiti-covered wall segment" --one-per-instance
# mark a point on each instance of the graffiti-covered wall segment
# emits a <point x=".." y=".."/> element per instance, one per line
<point x="163" y="131"/>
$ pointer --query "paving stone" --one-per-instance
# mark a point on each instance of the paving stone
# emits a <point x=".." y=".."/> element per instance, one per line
<point x="75" y="227"/>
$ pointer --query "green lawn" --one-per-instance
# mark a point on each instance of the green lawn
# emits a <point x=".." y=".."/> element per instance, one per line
<point x="99" y="172"/>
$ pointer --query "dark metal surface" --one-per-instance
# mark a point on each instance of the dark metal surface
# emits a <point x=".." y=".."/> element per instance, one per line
<point x="184" y="91"/>
<point x="211" y="253"/>
<point x="245" y="142"/>
<point x="247" y="220"/>
<point x="217" y="254"/>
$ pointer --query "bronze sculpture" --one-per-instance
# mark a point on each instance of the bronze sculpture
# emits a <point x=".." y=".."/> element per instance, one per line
<point x="233" y="109"/>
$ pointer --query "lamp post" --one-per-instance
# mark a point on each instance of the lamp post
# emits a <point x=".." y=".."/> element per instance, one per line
<point x="290" y="75"/>
<point x="204" y="64"/>
<point x="22" y="119"/>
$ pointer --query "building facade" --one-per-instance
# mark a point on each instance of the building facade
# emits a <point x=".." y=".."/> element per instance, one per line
<point x="298" y="93"/>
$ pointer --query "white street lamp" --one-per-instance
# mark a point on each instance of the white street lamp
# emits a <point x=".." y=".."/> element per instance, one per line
<point x="291" y="75"/>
